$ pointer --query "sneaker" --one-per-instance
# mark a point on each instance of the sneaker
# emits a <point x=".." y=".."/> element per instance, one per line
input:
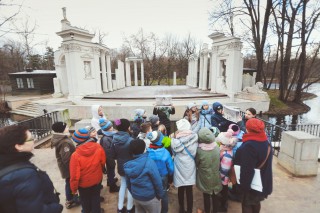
<point x="123" y="210"/>
<point x="70" y="204"/>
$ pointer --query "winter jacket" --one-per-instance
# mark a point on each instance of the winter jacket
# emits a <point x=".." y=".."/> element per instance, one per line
<point x="167" y="110"/>
<point x="26" y="190"/>
<point x="184" y="165"/>
<point x="208" y="175"/>
<point x="96" y="117"/>
<point x="106" y="143"/>
<point x="242" y="124"/>
<point x="86" y="165"/>
<point x="120" y="151"/>
<point x="217" y="120"/>
<point x="195" y="122"/>
<point x="205" y="116"/>
<point x="143" y="179"/>
<point x="64" y="148"/>
<point x="226" y="161"/>
<point x="163" y="159"/>
<point x="249" y="156"/>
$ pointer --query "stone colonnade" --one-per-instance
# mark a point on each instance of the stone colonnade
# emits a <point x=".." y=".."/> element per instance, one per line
<point x="220" y="69"/>
<point x="135" y="60"/>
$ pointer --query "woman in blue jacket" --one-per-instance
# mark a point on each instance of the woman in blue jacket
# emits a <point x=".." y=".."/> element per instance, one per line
<point x="23" y="187"/>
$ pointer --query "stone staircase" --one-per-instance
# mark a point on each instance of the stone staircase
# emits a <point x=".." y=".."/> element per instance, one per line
<point x="29" y="109"/>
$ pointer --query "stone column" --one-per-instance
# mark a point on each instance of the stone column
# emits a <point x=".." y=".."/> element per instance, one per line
<point x="210" y="69"/>
<point x="195" y="72"/>
<point x="109" y="73"/>
<point x="142" y="73"/>
<point x="205" y="70"/>
<point x="214" y="69"/>
<point x="128" y="74"/>
<point x="201" y="72"/>
<point x="174" y="78"/>
<point x="104" y="73"/>
<point x="135" y="73"/>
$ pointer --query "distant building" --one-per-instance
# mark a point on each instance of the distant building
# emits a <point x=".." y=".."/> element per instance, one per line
<point x="32" y="82"/>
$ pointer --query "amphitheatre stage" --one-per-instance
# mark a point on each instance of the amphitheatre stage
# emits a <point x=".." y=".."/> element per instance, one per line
<point x="150" y="92"/>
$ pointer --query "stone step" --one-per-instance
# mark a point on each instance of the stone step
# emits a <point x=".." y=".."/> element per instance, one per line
<point x="28" y="109"/>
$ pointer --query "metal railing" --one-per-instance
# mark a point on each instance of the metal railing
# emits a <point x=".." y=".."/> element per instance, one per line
<point x="40" y="127"/>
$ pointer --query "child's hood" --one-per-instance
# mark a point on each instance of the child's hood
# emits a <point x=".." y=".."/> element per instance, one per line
<point x="87" y="149"/>
<point x="94" y="110"/>
<point x="135" y="167"/>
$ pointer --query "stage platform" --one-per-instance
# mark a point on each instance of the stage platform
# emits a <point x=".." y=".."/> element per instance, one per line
<point x="150" y="92"/>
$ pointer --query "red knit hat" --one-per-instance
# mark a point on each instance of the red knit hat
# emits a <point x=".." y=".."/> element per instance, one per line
<point x="255" y="125"/>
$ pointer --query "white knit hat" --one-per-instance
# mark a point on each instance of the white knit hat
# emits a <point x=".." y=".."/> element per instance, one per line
<point x="183" y="124"/>
<point x="190" y="105"/>
<point x="225" y="137"/>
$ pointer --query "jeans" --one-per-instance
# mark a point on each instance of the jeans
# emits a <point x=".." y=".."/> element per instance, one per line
<point x="164" y="200"/>
<point x="69" y="195"/>
<point x="90" y="199"/>
<point x="122" y="193"/>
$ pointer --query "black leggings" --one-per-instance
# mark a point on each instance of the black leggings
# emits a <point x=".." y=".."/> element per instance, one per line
<point x="251" y="208"/>
<point x="189" y="194"/>
<point x="207" y="202"/>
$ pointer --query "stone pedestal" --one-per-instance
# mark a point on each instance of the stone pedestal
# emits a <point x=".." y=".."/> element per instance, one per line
<point x="299" y="153"/>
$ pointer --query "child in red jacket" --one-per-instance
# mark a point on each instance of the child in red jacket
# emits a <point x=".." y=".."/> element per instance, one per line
<point x="86" y="169"/>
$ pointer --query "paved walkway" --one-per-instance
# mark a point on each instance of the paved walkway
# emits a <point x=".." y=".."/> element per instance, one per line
<point x="290" y="194"/>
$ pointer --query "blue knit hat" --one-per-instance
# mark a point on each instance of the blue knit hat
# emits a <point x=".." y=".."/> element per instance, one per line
<point x="81" y="135"/>
<point x="105" y="124"/>
<point x="155" y="137"/>
<point x="205" y="102"/>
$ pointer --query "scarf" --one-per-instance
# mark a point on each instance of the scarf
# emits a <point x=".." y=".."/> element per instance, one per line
<point x="183" y="133"/>
<point x="153" y="146"/>
<point x="253" y="136"/>
<point x="206" y="146"/>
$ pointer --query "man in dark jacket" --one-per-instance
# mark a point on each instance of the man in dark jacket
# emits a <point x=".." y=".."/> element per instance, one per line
<point x="106" y="143"/>
<point x="254" y="153"/>
<point x="27" y="189"/>
<point x="143" y="179"/>
<point x="217" y="119"/>
<point x="64" y="148"/>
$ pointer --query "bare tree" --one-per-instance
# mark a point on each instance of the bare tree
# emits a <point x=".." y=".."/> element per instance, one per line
<point x="5" y="19"/>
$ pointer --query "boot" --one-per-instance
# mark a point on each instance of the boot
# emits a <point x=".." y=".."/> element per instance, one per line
<point x="114" y="188"/>
<point x="123" y="210"/>
<point x="132" y="210"/>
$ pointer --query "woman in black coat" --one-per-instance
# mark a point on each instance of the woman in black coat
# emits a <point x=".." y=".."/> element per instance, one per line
<point x="23" y="187"/>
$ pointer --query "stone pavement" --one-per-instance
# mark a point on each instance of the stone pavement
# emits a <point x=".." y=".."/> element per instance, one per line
<point x="290" y="194"/>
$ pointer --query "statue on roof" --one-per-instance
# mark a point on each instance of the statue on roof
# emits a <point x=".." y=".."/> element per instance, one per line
<point x="64" y="13"/>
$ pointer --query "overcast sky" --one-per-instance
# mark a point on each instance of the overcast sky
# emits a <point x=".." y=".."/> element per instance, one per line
<point x="120" y="17"/>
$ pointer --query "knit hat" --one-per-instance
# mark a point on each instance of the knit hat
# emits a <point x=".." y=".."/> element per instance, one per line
<point x="155" y="137"/>
<point x="255" y="125"/>
<point x="81" y="135"/>
<point x="224" y="137"/>
<point x="205" y="102"/>
<point x="153" y="120"/>
<point x="190" y="105"/>
<point x="137" y="146"/>
<point x="122" y="124"/>
<point x="183" y="124"/>
<point x="139" y="112"/>
<point x="59" y="127"/>
<point x="105" y="124"/>
<point x="215" y="131"/>
<point x="216" y="106"/>
<point x="235" y="128"/>
<point x="205" y="135"/>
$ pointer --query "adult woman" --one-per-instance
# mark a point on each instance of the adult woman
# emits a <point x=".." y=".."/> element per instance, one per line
<point x="25" y="188"/>
<point x="250" y="113"/>
<point x="255" y="152"/>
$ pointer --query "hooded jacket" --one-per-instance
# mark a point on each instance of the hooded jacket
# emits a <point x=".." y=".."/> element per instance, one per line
<point x="205" y="116"/>
<point x="26" y="190"/>
<point x="184" y="165"/>
<point x="120" y="151"/>
<point x="86" y="165"/>
<point x="208" y="175"/>
<point x="163" y="160"/>
<point x="217" y="120"/>
<point x="143" y="179"/>
<point x="96" y="117"/>
<point x="64" y="148"/>
<point x="106" y="143"/>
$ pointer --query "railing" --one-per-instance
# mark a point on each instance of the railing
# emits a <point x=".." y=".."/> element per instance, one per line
<point x="40" y="127"/>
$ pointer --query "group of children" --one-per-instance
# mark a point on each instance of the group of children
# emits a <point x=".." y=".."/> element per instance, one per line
<point x="149" y="158"/>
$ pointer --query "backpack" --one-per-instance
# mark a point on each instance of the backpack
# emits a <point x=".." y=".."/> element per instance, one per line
<point x="42" y="175"/>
